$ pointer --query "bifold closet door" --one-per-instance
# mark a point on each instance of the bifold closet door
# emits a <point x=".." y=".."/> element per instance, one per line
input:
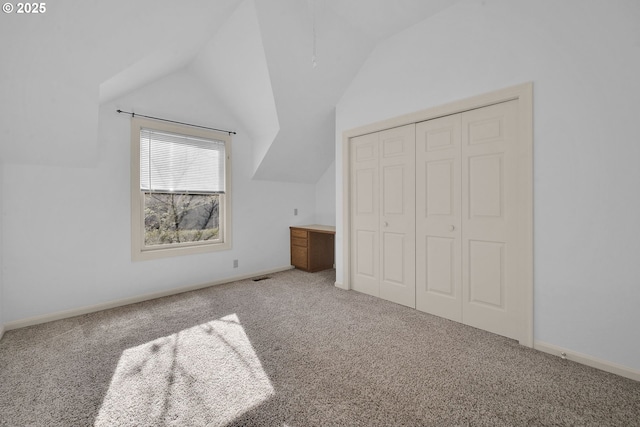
<point x="365" y="214"/>
<point x="491" y="294"/>
<point x="438" y="217"/>
<point x="383" y="214"/>
<point x="466" y="221"/>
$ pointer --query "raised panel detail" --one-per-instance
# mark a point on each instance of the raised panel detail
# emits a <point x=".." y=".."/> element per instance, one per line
<point x="485" y="130"/>
<point x="394" y="257"/>
<point x="393" y="185"/>
<point x="486" y="273"/>
<point x="439" y="139"/>
<point x="365" y="249"/>
<point x="486" y="186"/>
<point x="364" y="152"/>
<point x="364" y="191"/>
<point x="439" y="264"/>
<point x="439" y="188"/>
<point x="393" y="147"/>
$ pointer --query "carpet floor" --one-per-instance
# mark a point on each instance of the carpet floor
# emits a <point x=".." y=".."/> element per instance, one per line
<point x="292" y="350"/>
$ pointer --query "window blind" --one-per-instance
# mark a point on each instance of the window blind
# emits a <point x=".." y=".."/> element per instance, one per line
<point x="176" y="163"/>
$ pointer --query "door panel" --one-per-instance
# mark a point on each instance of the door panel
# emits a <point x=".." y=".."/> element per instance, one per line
<point x="397" y="220"/>
<point x="365" y="250"/>
<point x="366" y="254"/>
<point x="439" y="188"/>
<point x="365" y="199"/>
<point x="486" y="186"/>
<point x="439" y="266"/>
<point x="394" y="180"/>
<point x="491" y="293"/>
<point x="383" y="212"/>
<point x="486" y="130"/>
<point x="486" y="274"/>
<point x="438" y="257"/>
<point x="393" y="258"/>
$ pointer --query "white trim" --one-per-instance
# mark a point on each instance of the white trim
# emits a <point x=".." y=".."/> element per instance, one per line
<point x="16" y="324"/>
<point x="341" y="286"/>
<point x="524" y="94"/>
<point x="603" y="365"/>
<point x="1" y="331"/>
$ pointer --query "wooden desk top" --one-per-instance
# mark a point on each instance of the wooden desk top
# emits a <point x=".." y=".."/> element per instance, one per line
<point x="329" y="229"/>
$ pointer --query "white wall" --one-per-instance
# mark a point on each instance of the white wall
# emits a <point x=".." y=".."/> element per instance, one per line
<point x="326" y="197"/>
<point x="67" y="230"/>
<point x="584" y="60"/>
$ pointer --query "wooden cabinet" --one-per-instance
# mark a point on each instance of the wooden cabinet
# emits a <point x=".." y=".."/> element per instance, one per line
<point x="312" y="247"/>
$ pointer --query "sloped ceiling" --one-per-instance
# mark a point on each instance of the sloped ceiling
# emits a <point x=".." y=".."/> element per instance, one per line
<point x="52" y="66"/>
<point x="252" y="55"/>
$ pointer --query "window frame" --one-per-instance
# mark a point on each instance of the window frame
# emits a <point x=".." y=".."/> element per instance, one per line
<point x="140" y="251"/>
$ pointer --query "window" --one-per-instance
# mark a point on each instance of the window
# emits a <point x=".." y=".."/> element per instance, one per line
<point x="179" y="189"/>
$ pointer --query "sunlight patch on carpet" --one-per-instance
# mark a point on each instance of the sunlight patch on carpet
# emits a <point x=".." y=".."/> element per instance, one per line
<point x="205" y="375"/>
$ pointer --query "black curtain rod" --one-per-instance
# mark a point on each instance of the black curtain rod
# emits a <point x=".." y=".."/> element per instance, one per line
<point x="173" y="121"/>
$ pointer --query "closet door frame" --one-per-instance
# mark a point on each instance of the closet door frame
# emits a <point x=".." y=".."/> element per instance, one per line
<point x="523" y="93"/>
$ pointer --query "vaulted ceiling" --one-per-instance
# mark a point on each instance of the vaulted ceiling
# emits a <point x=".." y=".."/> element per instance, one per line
<point x="254" y="56"/>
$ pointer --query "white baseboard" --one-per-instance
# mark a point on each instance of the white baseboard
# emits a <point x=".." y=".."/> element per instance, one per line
<point x="1" y="331"/>
<point x="16" y="324"/>
<point x="594" y="362"/>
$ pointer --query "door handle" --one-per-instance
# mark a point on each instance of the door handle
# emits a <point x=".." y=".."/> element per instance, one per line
<point x="385" y="224"/>
<point x="452" y="227"/>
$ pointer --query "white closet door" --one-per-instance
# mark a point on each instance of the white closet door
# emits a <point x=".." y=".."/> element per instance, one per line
<point x="383" y="214"/>
<point x="397" y="219"/>
<point x="466" y="220"/>
<point x="438" y="217"/>
<point x="365" y="214"/>
<point x="441" y="213"/>
<point x="491" y="292"/>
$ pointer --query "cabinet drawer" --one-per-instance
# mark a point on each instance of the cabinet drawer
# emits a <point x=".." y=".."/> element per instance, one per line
<point x="299" y="233"/>
<point x="299" y="242"/>
<point x="299" y="257"/>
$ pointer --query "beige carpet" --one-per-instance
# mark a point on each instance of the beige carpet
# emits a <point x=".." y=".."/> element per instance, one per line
<point x="292" y="350"/>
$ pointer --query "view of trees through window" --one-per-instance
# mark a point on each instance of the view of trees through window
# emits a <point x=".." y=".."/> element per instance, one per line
<point x="179" y="218"/>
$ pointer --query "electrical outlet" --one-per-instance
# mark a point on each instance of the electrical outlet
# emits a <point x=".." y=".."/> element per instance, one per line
<point x="235" y="263"/>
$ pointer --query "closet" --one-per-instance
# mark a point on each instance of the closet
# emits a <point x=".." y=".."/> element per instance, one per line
<point x="438" y="217"/>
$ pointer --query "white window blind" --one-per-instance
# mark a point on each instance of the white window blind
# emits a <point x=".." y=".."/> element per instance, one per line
<point x="176" y="163"/>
